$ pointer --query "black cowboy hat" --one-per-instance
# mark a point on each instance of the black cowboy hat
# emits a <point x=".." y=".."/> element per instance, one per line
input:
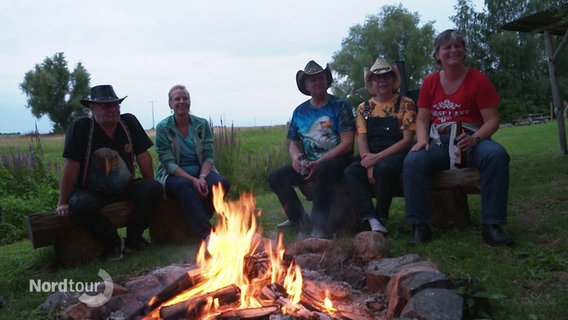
<point x="102" y="94"/>
<point x="312" y="68"/>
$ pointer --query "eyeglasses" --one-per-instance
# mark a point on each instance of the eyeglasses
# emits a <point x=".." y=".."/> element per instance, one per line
<point x="384" y="76"/>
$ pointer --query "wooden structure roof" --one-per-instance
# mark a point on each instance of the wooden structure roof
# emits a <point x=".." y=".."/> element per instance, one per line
<point x="553" y="21"/>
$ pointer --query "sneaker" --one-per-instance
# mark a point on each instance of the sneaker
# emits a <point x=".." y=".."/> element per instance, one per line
<point x="377" y="226"/>
<point x="115" y="252"/>
<point x="285" y="224"/>
<point x="137" y="243"/>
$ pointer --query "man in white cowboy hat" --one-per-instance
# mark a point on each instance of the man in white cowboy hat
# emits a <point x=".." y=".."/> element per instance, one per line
<point x="385" y="130"/>
<point x="321" y="138"/>
<point x="101" y="153"/>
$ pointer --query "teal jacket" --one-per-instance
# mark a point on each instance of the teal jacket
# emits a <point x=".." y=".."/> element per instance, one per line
<point x="168" y="145"/>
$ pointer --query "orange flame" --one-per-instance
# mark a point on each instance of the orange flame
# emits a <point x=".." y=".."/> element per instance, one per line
<point x="328" y="304"/>
<point x="222" y="257"/>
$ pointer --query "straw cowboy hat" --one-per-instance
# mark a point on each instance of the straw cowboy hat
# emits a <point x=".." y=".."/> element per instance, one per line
<point x="102" y="94"/>
<point x="312" y="68"/>
<point x="380" y="66"/>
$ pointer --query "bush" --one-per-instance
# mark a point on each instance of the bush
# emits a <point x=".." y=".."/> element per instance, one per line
<point x="28" y="184"/>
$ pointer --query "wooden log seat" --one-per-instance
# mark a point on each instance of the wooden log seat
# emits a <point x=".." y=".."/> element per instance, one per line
<point x="73" y="245"/>
<point x="447" y="199"/>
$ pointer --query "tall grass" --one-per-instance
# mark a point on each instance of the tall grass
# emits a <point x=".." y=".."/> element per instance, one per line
<point x="245" y="156"/>
<point x="28" y="183"/>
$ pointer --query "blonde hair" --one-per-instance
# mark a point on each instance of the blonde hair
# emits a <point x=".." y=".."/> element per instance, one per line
<point x="177" y="86"/>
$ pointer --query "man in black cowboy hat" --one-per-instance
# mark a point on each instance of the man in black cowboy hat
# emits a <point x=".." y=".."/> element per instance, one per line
<point x="101" y="153"/>
<point x="321" y="137"/>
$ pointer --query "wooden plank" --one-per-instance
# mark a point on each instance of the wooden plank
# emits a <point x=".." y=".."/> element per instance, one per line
<point x="467" y="179"/>
<point x="44" y="228"/>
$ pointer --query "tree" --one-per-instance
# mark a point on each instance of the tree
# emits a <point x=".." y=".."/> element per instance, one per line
<point x="514" y="61"/>
<point x="54" y="91"/>
<point x="394" y="35"/>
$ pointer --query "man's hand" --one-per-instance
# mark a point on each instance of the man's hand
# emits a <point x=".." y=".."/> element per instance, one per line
<point x="63" y="210"/>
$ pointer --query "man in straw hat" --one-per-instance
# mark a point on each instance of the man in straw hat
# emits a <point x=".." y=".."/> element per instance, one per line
<point x="321" y="138"/>
<point x="385" y="130"/>
<point x="101" y="153"/>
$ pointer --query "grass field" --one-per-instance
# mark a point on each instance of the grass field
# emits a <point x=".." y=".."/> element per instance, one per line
<point x="528" y="281"/>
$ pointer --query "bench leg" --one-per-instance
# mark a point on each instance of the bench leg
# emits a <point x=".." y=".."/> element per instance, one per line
<point x="343" y="216"/>
<point x="168" y="225"/>
<point x="449" y="208"/>
<point x="76" y="246"/>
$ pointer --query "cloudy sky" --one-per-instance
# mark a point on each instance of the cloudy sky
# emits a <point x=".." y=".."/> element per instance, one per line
<point x="237" y="58"/>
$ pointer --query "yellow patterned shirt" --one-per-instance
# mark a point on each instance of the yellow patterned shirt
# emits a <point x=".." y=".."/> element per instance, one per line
<point x="406" y="115"/>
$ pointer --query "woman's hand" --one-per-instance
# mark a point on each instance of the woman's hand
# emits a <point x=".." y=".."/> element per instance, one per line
<point x="370" y="176"/>
<point x="369" y="160"/>
<point x="465" y="141"/>
<point x="420" y="145"/>
<point x="200" y="186"/>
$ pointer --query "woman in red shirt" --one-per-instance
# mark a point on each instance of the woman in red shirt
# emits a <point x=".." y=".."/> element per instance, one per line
<point x="457" y="93"/>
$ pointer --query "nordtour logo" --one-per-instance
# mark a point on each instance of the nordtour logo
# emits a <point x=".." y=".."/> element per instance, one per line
<point x="88" y="288"/>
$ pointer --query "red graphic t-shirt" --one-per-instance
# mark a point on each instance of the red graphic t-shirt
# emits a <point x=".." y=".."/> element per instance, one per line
<point x="475" y="93"/>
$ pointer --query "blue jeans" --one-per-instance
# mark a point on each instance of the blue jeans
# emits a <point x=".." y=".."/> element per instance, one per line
<point x="196" y="210"/>
<point x="493" y="163"/>
<point x="85" y="207"/>
<point x="327" y="173"/>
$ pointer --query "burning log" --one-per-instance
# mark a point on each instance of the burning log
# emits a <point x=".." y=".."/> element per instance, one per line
<point x="278" y="294"/>
<point x="314" y="297"/>
<point x="257" y="264"/>
<point x="194" y="307"/>
<point x="187" y="280"/>
<point x="251" y="313"/>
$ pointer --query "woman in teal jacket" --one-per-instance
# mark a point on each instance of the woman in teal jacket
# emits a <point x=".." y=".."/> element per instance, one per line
<point x="184" y="144"/>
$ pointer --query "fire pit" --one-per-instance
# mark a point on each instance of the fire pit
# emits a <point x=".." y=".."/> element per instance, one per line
<point x="239" y="274"/>
<point x="242" y="274"/>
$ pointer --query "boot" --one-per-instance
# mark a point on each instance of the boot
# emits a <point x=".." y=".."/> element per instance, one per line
<point x="421" y="233"/>
<point x="493" y="235"/>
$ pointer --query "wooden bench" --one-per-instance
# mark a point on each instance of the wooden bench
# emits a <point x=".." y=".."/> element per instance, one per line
<point x="73" y="245"/>
<point x="532" y="118"/>
<point x="447" y="199"/>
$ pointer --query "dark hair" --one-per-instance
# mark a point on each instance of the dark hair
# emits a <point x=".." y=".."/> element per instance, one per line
<point x="445" y="37"/>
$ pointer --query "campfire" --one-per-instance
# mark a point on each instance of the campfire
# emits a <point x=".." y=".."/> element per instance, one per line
<point x="241" y="274"/>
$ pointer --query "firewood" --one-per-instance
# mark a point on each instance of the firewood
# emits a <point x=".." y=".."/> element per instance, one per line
<point x="342" y="310"/>
<point x="193" y="307"/>
<point x="278" y="294"/>
<point x="314" y="297"/>
<point x="256" y="265"/>
<point x="336" y="291"/>
<point x="249" y="313"/>
<point x="187" y="280"/>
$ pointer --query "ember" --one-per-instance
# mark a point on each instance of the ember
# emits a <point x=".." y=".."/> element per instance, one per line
<point x="240" y="273"/>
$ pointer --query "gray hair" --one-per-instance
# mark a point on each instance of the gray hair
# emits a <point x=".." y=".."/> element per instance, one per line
<point x="445" y="37"/>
